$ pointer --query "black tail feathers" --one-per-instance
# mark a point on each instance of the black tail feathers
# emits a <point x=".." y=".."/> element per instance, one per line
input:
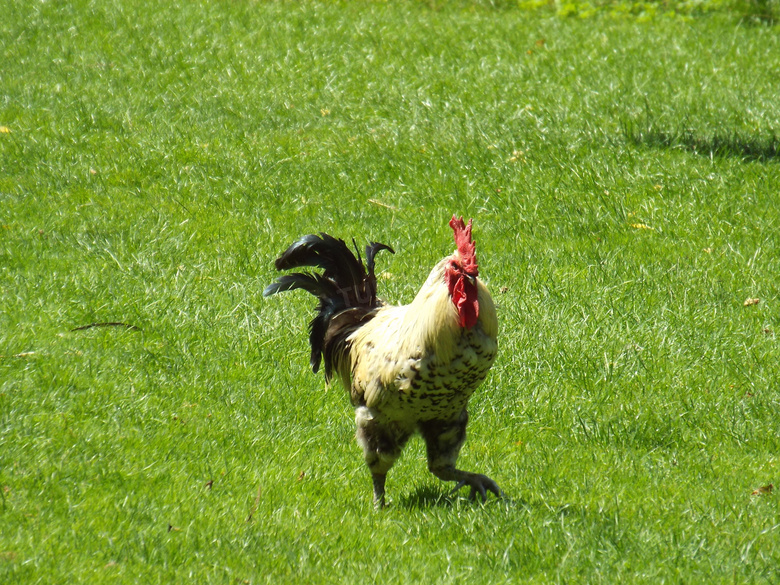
<point x="344" y="286"/>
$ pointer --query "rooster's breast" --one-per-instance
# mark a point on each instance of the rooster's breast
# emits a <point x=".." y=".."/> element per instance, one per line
<point x="427" y="388"/>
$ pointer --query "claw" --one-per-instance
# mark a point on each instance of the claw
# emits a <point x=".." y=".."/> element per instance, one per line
<point x="480" y="484"/>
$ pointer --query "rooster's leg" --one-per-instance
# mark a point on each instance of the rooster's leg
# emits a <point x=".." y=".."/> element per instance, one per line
<point x="382" y="443"/>
<point x="443" y="440"/>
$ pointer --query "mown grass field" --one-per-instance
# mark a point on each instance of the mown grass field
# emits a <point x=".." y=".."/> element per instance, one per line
<point x="623" y="178"/>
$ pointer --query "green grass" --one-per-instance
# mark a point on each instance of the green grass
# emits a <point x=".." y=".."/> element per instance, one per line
<point x="623" y="177"/>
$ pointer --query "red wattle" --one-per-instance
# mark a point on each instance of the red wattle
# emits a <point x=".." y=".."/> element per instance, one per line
<point x="464" y="296"/>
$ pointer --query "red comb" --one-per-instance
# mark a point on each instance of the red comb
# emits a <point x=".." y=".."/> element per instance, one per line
<point x="466" y="247"/>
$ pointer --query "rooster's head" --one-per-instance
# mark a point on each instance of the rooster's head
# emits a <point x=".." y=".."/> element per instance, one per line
<point x="461" y="274"/>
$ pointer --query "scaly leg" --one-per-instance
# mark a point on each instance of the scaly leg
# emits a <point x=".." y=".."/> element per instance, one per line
<point x="382" y="443"/>
<point x="443" y="440"/>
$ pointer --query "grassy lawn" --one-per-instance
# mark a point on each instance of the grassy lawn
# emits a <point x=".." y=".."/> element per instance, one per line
<point x="623" y="177"/>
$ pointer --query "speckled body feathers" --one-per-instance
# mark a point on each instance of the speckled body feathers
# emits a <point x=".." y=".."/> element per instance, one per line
<point x="414" y="362"/>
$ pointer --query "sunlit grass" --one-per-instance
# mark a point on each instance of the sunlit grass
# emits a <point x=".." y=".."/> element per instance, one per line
<point x="622" y="176"/>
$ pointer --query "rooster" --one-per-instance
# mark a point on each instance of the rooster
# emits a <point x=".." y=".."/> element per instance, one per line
<point x="408" y="368"/>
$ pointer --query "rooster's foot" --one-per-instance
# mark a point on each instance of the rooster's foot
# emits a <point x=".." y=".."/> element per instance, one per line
<point x="479" y="484"/>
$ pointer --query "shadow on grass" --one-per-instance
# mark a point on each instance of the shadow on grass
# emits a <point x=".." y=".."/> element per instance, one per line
<point x="427" y="496"/>
<point x="746" y="148"/>
<point x="435" y="496"/>
<point x="758" y="12"/>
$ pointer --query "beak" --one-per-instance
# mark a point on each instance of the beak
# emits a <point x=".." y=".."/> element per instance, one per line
<point x="472" y="279"/>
